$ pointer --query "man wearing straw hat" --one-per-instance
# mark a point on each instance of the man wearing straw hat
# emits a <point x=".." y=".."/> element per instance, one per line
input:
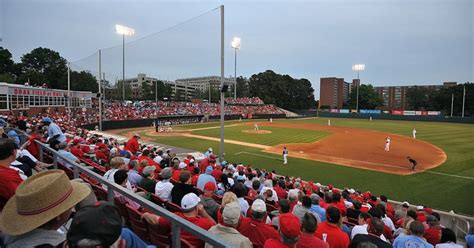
<point x="40" y="206"/>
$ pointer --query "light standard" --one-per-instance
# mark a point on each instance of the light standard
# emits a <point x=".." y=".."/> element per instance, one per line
<point x="236" y="45"/>
<point x="358" y="68"/>
<point x="119" y="29"/>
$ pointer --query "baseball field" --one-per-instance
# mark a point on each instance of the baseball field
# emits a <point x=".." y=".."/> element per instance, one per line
<point x="350" y="153"/>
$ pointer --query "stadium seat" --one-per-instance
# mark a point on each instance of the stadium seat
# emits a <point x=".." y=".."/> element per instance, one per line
<point x="99" y="192"/>
<point x="173" y="207"/>
<point x="159" y="235"/>
<point x="122" y="208"/>
<point x="158" y="201"/>
<point x="138" y="226"/>
<point x="69" y="172"/>
<point x="187" y="244"/>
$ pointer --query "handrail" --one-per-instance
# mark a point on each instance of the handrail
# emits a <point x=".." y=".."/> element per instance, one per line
<point x="177" y="223"/>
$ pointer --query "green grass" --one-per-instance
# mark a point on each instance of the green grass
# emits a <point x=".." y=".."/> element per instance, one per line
<point x="278" y="135"/>
<point x="437" y="191"/>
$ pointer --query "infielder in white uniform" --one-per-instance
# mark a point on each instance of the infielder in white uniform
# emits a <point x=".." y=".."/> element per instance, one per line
<point x="329" y="122"/>
<point x="387" y="144"/>
<point x="285" y="155"/>
<point x="255" y="127"/>
<point x="414" y="133"/>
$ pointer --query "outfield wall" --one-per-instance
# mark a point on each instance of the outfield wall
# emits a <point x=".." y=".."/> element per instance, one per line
<point x="433" y="118"/>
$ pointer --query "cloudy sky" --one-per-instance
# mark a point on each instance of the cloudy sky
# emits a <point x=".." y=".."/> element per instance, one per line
<point x="402" y="42"/>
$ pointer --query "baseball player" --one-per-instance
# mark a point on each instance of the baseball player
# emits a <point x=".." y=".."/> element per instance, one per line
<point x="387" y="144"/>
<point x="255" y="127"/>
<point x="285" y="155"/>
<point x="329" y="122"/>
<point x="413" y="163"/>
<point x="414" y="133"/>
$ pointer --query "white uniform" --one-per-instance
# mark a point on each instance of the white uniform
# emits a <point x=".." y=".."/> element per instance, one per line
<point x="329" y="122"/>
<point x="414" y="133"/>
<point x="285" y="156"/>
<point x="387" y="144"/>
<point x="255" y="126"/>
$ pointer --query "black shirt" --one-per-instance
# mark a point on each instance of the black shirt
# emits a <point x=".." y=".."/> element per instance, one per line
<point x="360" y="238"/>
<point x="180" y="190"/>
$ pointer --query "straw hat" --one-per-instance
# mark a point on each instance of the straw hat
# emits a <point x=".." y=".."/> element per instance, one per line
<point x="39" y="199"/>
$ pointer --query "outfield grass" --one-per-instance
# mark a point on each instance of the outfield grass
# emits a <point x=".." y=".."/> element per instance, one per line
<point x="278" y="135"/>
<point x="444" y="192"/>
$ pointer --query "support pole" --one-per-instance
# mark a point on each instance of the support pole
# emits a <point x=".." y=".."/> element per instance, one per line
<point x="221" y="150"/>
<point x="235" y="73"/>
<point x="463" y="100"/>
<point x="99" y="77"/>
<point x="452" y="103"/>
<point x="69" y="91"/>
<point x="123" y="67"/>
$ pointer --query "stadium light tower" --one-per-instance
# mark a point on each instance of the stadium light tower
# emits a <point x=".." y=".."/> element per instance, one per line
<point x="236" y="45"/>
<point x="124" y="31"/>
<point x="358" y="68"/>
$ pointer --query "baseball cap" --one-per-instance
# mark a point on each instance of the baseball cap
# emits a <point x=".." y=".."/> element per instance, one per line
<point x="419" y="208"/>
<point x="209" y="169"/>
<point x="148" y="170"/>
<point x="190" y="201"/>
<point x="241" y="178"/>
<point x="46" y="120"/>
<point x="405" y="204"/>
<point x="182" y="165"/>
<point x="231" y="213"/>
<point x="210" y="149"/>
<point x="101" y="222"/>
<point x="259" y="206"/>
<point x="210" y="186"/>
<point x="431" y="218"/>
<point x="290" y="225"/>
<point x="136" y="135"/>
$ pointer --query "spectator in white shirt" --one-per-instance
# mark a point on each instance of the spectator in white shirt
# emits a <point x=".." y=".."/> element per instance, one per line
<point x="163" y="188"/>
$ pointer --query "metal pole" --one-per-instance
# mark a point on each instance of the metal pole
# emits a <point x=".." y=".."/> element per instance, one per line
<point x="452" y="103"/>
<point x="358" y="84"/>
<point x="463" y="100"/>
<point x="156" y="99"/>
<point x="221" y="155"/>
<point x="123" y="67"/>
<point x="209" y="92"/>
<point x="69" y="91"/>
<point x="103" y="77"/>
<point x="235" y="73"/>
<point x="100" y="90"/>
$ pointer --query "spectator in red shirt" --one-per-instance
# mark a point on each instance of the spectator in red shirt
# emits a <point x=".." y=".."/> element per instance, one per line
<point x="255" y="227"/>
<point x="330" y="231"/>
<point x="280" y="190"/>
<point x="290" y="231"/>
<point x="194" y="212"/>
<point x="132" y="144"/>
<point x="253" y="192"/>
<point x="10" y="179"/>
<point x="177" y="171"/>
<point x="76" y="149"/>
<point x="433" y="232"/>
<point x="33" y="147"/>
<point x="420" y="214"/>
<point x="336" y="198"/>
<point x="388" y="207"/>
<point x="146" y="156"/>
<point x="307" y="238"/>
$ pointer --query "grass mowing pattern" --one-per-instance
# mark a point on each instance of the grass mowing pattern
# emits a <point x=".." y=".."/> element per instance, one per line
<point x="437" y="191"/>
<point x="278" y="135"/>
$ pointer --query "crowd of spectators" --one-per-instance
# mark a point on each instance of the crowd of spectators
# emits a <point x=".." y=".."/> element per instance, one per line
<point x="241" y="204"/>
<point x="244" y="101"/>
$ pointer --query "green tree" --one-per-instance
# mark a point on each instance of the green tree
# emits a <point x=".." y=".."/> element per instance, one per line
<point x="148" y="90"/>
<point x="83" y="81"/>
<point x="43" y="65"/>
<point x="418" y="98"/>
<point x="440" y="100"/>
<point x="368" y="98"/>
<point x="243" y="87"/>
<point x="7" y="66"/>
<point x="116" y="93"/>
<point x="282" y="90"/>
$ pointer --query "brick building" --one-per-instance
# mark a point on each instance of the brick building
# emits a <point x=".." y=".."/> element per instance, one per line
<point x="334" y="92"/>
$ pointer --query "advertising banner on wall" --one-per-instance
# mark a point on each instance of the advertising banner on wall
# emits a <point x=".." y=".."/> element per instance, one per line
<point x="370" y="111"/>
<point x="334" y="110"/>
<point x="408" y="112"/>
<point x="397" y="112"/>
<point x="434" y="113"/>
<point x="422" y="113"/>
<point x="353" y="110"/>
<point x="344" y="111"/>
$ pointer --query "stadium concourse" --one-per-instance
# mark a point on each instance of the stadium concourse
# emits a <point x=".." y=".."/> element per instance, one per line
<point x="244" y="205"/>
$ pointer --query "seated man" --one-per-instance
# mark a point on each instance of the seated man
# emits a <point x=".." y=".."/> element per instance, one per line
<point x="375" y="230"/>
<point x="40" y="206"/>
<point x="148" y="181"/>
<point x="163" y="188"/>
<point x="414" y="237"/>
<point x="210" y="205"/>
<point x="227" y="229"/>
<point x="289" y="232"/>
<point x="307" y="238"/>
<point x="100" y="225"/>
<point x="10" y="178"/>
<point x="255" y="227"/>
<point x="330" y="231"/>
<point x="63" y="151"/>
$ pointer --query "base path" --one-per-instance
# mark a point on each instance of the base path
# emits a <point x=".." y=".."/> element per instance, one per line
<point x="363" y="148"/>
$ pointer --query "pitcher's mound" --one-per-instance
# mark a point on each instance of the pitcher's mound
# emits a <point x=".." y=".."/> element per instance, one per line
<point x="257" y="131"/>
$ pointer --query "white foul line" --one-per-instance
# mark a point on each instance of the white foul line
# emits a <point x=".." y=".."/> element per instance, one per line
<point x="431" y="172"/>
<point x="258" y="155"/>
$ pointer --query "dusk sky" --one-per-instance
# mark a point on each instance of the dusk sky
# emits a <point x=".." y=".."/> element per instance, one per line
<point x="402" y="42"/>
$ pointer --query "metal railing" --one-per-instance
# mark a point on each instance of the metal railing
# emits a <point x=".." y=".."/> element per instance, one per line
<point x="177" y="223"/>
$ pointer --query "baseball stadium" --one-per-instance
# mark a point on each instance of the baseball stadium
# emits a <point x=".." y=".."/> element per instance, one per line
<point x="149" y="143"/>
